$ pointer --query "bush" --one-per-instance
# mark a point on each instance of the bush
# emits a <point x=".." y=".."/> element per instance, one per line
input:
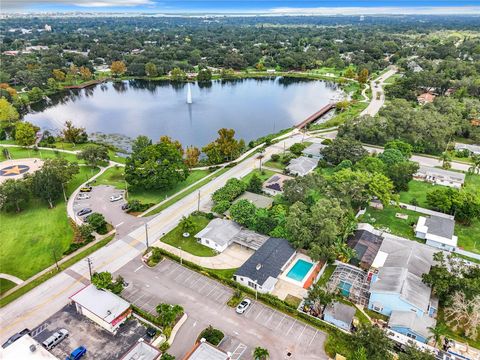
<point x="235" y="299"/>
<point x="98" y="223"/>
<point x="232" y="189"/>
<point x="221" y="206"/>
<point x="275" y="157"/>
<point x="327" y="142"/>
<point x="212" y="335"/>
<point x="137" y="206"/>
<point x="155" y="258"/>
<point x="297" y="148"/>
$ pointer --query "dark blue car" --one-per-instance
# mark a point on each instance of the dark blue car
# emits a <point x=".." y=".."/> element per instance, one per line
<point x="77" y="353"/>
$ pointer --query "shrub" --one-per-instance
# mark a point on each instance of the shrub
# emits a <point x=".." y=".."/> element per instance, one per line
<point x="212" y="335"/>
<point x="97" y="221"/>
<point x="235" y="299"/>
<point x="327" y="142"/>
<point x="137" y="206"/>
<point x="155" y="258"/>
<point x="221" y="206"/>
<point x="297" y="148"/>
<point x="232" y="189"/>
<point x="275" y="157"/>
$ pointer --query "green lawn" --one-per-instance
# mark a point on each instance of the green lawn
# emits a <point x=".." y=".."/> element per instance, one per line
<point x="224" y="273"/>
<point x="326" y="275"/>
<point x="6" y="285"/>
<point x="190" y="244"/>
<point x="29" y="237"/>
<point x="386" y="220"/>
<point x="417" y="190"/>
<point x="22" y="153"/>
<point x="115" y="177"/>
<point x="275" y="164"/>
<point x="352" y="111"/>
<point x="264" y="175"/>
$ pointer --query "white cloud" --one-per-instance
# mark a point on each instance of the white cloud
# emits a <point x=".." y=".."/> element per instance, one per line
<point x="110" y="3"/>
<point x="27" y="4"/>
<point x="420" y="10"/>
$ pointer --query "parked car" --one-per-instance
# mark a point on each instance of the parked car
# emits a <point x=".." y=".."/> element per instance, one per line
<point x="243" y="306"/>
<point x="15" y="337"/>
<point x="151" y="332"/>
<point x="77" y="353"/>
<point x="84" y="211"/>
<point x="117" y="197"/>
<point x="86" y="189"/>
<point x="55" y="339"/>
<point x="125" y="207"/>
<point x="83" y="196"/>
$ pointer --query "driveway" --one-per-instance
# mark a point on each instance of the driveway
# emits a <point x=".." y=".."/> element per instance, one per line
<point x="204" y="301"/>
<point x="100" y="202"/>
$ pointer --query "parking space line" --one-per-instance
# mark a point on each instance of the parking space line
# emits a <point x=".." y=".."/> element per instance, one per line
<point x="259" y="313"/>
<point x="206" y="283"/>
<point x="288" y="332"/>
<point x="271" y="315"/>
<point x="214" y="287"/>
<point x="137" y="299"/>
<point x="188" y="277"/>
<point x="179" y="275"/>
<point x="299" y="336"/>
<point x="284" y="316"/>
<point x="313" y="338"/>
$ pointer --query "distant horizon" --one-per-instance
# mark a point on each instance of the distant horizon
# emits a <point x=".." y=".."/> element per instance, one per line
<point x="251" y="7"/>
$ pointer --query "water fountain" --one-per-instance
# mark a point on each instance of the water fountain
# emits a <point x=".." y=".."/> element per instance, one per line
<point x="189" y="94"/>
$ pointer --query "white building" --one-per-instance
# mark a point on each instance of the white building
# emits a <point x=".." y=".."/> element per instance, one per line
<point x="25" y="348"/>
<point x="313" y="150"/>
<point x="440" y="176"/>
<point x="142" y="350"/>
<point x="474" y="149"/>
<point x="205" y="351"/>
<point x="302" y="166"/>
<point x="437" y="232"/>
<point x="218" y="234"/>
<point x="102" y="307"/>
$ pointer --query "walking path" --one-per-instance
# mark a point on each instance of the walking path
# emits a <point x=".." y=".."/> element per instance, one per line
<point x="11" y="278"/>
<point x="378" y="95"/>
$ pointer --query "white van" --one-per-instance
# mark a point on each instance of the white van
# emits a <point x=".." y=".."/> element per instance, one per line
<point x="55" y="339"/>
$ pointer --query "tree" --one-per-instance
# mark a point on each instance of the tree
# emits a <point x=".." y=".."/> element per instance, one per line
<point x="475" y="168"/>
<point x="437" y="331"/>
<point x="375" y="342"/>
<point x="186" y="224"/>
<point x="446" y="160"/>
<point x="297" y="148"/>
<point x="402" y="173"/>
<point x="318" y="297"/>
<point x="260" y="353"/>
<point x="86" y="231"/>
<point x="58" y="75"/>
<point x="167" y="314"/>
<point x="359" y="354"/>
<point x="204" y="75"/>
<point x="74" y="135"/>
<point x="168" y="140"/>
<point x="166" y="356"/>
<point x="151" y="69"/>
<point x="465" y="205"/>
<point x="371" y="164"/>
<point x="192" y="154"/>
<point x="155" y="166"/>
<point x="224" y="148"/>
<point x="118" y="68"/>
<point x="85" y="73"/>
<point x="350" y="73"/>
<point x="363" y="76"/>
<point x="212" y="335"/>
<point x="48" y="182"/>
<point x="255" y="184"/>
<point x="94" y="154"/>
<point x="25" y="133"/>
<point x="464" y="314"/>
<point x="405" y="148"/>
<point x="36" y="94"/>
<point x="343" y="149"/>
<point x="413" y="353"/>
<point x="14" y="194"/>
<point x="102" y="280"/>
<point x="243" y="212"/>
<point x="230" y="191"/>
<point x="178" y="75"/>
<point x="300" y="188"/>
<point x="97" y="221"/>
<point x="8" y="113"/>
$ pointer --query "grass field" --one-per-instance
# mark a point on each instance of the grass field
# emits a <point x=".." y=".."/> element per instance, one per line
<point x="263" y="175"/>
<point x="115" y="177"/>
<point x="22" y="153"/>
<point x="30" y="238"/>
<point x="6" y="285"/>
<point x="189" y="244"/>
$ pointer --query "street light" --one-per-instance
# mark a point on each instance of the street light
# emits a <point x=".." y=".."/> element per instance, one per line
<point x="146" y="234"/>
<point x="181" y="262"/>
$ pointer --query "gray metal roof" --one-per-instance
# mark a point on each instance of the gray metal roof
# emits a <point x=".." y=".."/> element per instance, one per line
<point x="340" y="311"/>
<point x="314" y="149"/>
<point x="205" y="351"/>
<point x="219" y="231"/>
<point x="267" y="261"/>
<point x="142" y="351"/>
<point x="302" y="165"/>
<point x="440" y="226"/>
<point x="250" y="239"/>
<point x="410" y="320"/>
<point x="442" y="173"/>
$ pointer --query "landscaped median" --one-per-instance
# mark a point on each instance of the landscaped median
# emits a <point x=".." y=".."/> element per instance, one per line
<point x="337" y="341"/>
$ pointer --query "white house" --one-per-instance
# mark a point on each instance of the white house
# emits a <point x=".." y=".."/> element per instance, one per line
<point x="102" y="307"/>
<point x="302" y="165"/>
<point x="474" y="149"/>
<point x="218" y="234"/>
<point x="437" y="231"/>
<point x="440" y="176"/>
<point x="313" y="150"/>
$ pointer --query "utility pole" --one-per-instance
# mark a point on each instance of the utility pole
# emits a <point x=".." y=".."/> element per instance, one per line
<point x="126" y="190"/>
<point x="89" y="262"/>
<point x="55" y="258"/>
<point x="146" y="234"/>
<point x="64" y="195"/>
<point x="198" y="201"/>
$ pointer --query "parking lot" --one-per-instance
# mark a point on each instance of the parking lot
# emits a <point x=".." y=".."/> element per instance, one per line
<point x="100" y="344"/>
<point x="204" y="301"/>
<point x="99" y="201"/>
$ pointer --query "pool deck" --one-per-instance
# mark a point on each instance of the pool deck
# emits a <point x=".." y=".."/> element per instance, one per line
<point x="286" y="285"/>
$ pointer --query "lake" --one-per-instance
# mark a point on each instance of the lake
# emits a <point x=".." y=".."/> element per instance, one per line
<point x="252" y="107"/>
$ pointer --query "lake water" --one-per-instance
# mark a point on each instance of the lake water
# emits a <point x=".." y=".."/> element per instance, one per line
<point x="253" y="107"/>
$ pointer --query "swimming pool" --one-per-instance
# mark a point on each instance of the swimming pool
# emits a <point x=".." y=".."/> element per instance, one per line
<point x="299" y="270"/>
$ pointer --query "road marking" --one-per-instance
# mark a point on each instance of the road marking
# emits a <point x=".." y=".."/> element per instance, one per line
<point x="119" y="224"/>
<point x="313" y="338"/>
<point x="299" y="336"/>
<point x="141" y="266"/>
<point x="259" y="313"/>
<point x="288" y="332"/>
<point x="194" y="324"/>
<point x="270" y="318"/>
<point x="284" y="316"/>
<point x="214" y="287"/>
<point x="188" y="277"/>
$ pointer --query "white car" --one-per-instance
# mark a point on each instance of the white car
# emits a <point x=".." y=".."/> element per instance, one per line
<point x="83" y="196"/>
<point x="117" y="197"/>
<point x="243" y="306"/>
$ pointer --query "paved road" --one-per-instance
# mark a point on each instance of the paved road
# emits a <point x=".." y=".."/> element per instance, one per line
<point x="49" y="297"/>
<point x="377" y="102"/>
<point x="204" y="301"/>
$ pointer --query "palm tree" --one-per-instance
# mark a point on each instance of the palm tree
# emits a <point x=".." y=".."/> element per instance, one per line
<point x="438" y="331"/>
<point x="475" y="168"/>
<point x="260" y="353"/>
<point x="344" y="252"/>
<point x="446" y="160"/>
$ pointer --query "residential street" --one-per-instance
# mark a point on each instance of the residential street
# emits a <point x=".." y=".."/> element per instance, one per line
<point x="376" y="103"/>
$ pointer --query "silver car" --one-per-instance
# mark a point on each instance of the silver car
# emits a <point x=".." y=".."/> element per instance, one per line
<point x="243" y="306"/>
<point x="55" y="339"/>
<point x="117" y="197"/>
<point x="83" y="196"/>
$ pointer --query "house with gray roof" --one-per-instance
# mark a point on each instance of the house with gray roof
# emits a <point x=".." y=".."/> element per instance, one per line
<point x="218" y="234"/>
<point x="366" y="245"/>
<point x="411" y="325"/>
<point x="262" y="269"/>
<point x="340" y="315"/>
<point x="397" y="285"/>
<point x="274" y="185"/>
<point x="474" y="149"/>
<point x="437" y="232"/>
<point x="313" y="150"/>
<point x="301" y="166"/>
<point x="440" y="176"/>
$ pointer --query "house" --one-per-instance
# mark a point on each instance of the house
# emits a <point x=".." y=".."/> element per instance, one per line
<point x="302" y="165"/>
<point x="366" y="245"/>
<point x="340" y="315"/>
<point x="26" y="348"/>
<point x="409" y="324"/>
<point x="274" y="185"/>
<point x="261" y="270"/>
<point x="425" y="98"/>
<point x="102" y="307"/>
<point x="440" y="176"/>
<point x="313" y="150"/>
<point x="218" y="234"/>
<point x="205" y="351"/>
<point x="474" y="149"/>
<point x="437" y="231"/>
<point x="260" y="201"/>
<point x="142" y="350"/>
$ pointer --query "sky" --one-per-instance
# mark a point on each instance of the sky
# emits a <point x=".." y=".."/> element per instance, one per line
<point x="345" y="7"/>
